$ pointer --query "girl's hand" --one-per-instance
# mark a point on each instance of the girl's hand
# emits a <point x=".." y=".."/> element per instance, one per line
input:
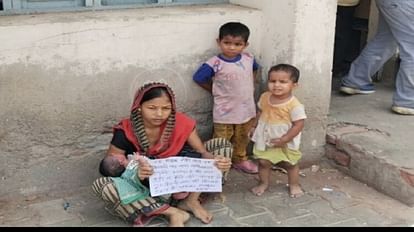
<point x="145" y="169"/>
<point x="222" y="163"/>
<point x="279" y="142"/>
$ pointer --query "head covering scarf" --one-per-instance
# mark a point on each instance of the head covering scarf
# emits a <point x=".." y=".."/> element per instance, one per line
<point x="174" y="131"/>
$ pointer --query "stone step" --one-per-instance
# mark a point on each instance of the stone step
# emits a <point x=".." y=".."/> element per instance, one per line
<point x="367" y="154"/>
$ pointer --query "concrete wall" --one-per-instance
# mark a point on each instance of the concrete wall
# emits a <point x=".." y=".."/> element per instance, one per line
<point x="301" y="33"/>
<point x="66" y="78"/>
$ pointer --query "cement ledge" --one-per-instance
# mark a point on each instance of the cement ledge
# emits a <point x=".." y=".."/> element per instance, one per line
<point x="364" y="153"/>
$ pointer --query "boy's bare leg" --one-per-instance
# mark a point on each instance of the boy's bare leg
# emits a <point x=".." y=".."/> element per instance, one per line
<point x="192" y="204"/>
<point x="264" y="177"/>
<point x="295" y="190"/>
<point x="176" y="216"/>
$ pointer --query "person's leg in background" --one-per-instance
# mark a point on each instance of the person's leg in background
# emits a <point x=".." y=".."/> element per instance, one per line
<point x="399" y="15"/>
<point x="379" y="50"/>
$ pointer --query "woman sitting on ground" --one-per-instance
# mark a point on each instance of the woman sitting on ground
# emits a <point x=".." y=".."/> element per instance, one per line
<point x="157" y="131"/>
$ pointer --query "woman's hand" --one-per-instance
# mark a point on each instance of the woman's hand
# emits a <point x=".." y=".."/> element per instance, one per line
<point x="207" y="155"/>
<point x="145" y="169"/>
<point x="222" y="163"/>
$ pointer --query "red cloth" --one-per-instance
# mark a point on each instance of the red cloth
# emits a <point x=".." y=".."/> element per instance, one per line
<point x="184" y="125"/>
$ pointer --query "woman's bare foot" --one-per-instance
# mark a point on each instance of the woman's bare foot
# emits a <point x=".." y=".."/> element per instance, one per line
<point x="295" y="191"/>
<point x="176" y="216"/>
<point x="195" y="207"/>
<point x="259" y="189"/>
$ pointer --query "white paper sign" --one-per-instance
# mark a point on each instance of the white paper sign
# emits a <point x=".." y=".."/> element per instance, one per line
<point x="183" y="174"/>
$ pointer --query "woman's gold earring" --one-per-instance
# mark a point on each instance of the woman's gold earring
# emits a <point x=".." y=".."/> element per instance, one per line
<point x="139" y="109"/>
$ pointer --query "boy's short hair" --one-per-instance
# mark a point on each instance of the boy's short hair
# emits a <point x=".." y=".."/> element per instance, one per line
<point x="292" y="70"/>
<point x="234" y="29"/>
<point x="110" y="166"/>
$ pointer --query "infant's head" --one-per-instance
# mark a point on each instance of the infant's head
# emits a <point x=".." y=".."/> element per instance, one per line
<point x="113" y="165"/>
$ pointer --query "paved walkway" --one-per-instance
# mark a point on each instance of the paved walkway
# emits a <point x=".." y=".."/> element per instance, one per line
<point x="331" y="199"/>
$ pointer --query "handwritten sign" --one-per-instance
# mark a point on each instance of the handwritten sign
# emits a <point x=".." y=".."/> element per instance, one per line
<point x="183" y="174"/>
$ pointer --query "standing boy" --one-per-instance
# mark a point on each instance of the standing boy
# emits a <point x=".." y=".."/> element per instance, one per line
<point x="230" y="77"/>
